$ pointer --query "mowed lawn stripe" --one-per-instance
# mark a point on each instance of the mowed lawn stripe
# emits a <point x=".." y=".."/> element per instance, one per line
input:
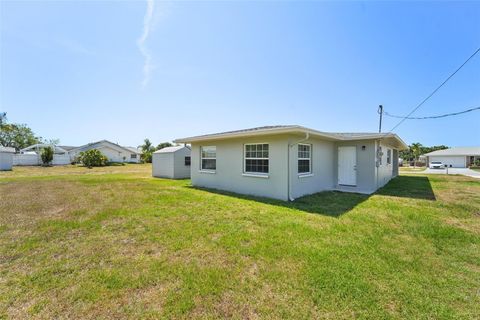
<point x="116" y="243"/>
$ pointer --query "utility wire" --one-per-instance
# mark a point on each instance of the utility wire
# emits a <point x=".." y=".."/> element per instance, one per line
<point x="432" y="117"/>
<point x="434" y="91"/>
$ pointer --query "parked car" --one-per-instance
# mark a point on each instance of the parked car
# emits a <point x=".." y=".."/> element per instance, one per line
<point x="436" y="165"/>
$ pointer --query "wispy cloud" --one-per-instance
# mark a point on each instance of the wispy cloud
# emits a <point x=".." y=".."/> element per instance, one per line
<point x="147" y="28"/>
<point x="74" y="46"/>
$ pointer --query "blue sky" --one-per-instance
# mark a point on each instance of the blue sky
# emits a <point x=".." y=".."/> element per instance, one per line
<point x="123" y="71"/>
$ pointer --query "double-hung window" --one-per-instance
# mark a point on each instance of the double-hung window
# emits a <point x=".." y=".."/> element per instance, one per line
<point x="304" y="158"/>
<point x="389" y="156"/>
<point x="256" y="158"/>
<point x="187" y="161"/>
<point x="209" y="158"/>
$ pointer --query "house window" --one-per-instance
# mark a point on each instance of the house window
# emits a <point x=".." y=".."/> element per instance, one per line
<point x="133" y="156"/>
<point x="209" y="158"/>
<point x="304" y="158"/>
<point x="256" y="158"/>
<point x="389" y="156"/>
<point x="187" y="161"/>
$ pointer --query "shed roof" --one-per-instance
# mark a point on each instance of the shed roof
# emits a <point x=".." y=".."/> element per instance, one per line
<point x="284" y="129"/>
<point x="171" y="149"/>
<point x="457" y="151"/>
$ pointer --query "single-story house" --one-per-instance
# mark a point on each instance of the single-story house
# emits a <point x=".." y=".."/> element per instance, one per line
<point x="31" y="155"/>
<point x="113" y="151"/>
<point x="287" y="162"/>
<point x="171" y="162"/>
<point x="6" y="158"/>
<point x="459" y="157"/>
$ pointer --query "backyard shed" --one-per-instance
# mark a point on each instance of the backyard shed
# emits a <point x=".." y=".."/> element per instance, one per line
<point x="6" y="158"/>
<point x="171" y="162"/>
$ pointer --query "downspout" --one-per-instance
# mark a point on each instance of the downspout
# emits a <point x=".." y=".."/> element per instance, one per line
<point x="307" y="136"/>
<point x="377" y="164"/>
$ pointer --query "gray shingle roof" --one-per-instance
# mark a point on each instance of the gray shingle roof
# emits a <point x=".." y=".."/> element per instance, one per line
<point x="457" y="151"/>
<point x="68" y="148"/>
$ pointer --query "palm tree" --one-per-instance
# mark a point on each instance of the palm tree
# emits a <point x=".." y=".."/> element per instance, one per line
<point x="416" y="150"/>
<point x="147" y="146"/>
<point x="147" y="150"/>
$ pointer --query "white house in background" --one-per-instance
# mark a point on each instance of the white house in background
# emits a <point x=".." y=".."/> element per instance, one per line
<point x="113" y="151"/>
<point x="31" y="155"/>
<point x="459" y="157"/>
<point x="171" y="162"/>
<point x="6" y="158"/>
<point x="287" y="162"/>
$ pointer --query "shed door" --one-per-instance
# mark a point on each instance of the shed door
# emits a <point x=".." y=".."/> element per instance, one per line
<point x="347" y="166"/>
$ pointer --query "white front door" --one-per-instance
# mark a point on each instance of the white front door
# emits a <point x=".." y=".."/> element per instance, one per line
<point x="347" y="166"/>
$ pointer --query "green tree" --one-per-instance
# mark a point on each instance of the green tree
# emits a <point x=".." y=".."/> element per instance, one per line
<point x="93" y="158"/>
<point x="17" y="136"/>
<point x="416" y="151"/>
<point x="47" y="155"/>
<point x="147" y="150"/>
<point x="164" y="145"/>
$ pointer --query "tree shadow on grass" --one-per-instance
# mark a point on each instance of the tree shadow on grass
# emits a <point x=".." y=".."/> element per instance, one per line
<point x="328" y="203"/>
<point x="415" y="187"/>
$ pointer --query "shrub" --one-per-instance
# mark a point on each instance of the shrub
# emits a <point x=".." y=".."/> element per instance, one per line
<point x="93" y="158"/>
<point x="146" y="157"/>
<point x="47" y="155"/>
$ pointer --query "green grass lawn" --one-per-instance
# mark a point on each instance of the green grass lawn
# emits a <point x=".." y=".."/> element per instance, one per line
<point x="411" y="169"/>
<point x="111" y="243"/>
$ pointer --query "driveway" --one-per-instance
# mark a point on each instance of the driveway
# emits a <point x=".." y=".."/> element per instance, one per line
<point x="463" y="171"/>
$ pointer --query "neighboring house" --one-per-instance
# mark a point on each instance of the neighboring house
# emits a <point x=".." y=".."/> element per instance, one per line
<point x="287" y="162"/>
<point x="6" y="158"/>
<point x="113" y="151"/>
<point x="171" y="162"/>
<point x="31" y="155"/>
<point x="459" y="157"/>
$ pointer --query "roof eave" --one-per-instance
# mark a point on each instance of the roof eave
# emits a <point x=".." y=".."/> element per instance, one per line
<point x="232" y="135"/>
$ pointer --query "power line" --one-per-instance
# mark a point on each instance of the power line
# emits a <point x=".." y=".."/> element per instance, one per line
<point x="434" y="91"/>
<point x="431" y="117"/>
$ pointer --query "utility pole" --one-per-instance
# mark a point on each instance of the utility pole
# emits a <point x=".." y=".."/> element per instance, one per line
<point x="380" y="112"/>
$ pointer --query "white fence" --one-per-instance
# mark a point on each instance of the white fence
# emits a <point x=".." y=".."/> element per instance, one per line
<point x="35" y="159"/>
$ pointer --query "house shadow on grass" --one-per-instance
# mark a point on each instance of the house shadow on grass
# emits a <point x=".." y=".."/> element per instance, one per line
<point x="414" y="187"/>
<point x="336" y="203"/>
<point x="327" y="203"/>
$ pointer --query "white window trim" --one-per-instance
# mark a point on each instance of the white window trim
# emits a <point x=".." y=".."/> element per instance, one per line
<point x="208" y="158"/>
<point x="309" y="173"/>
<point x="305" y="175"/>
<point x="207" y="171"/>
<point x="255" y="174"/>
<point x="391" y="155"/>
